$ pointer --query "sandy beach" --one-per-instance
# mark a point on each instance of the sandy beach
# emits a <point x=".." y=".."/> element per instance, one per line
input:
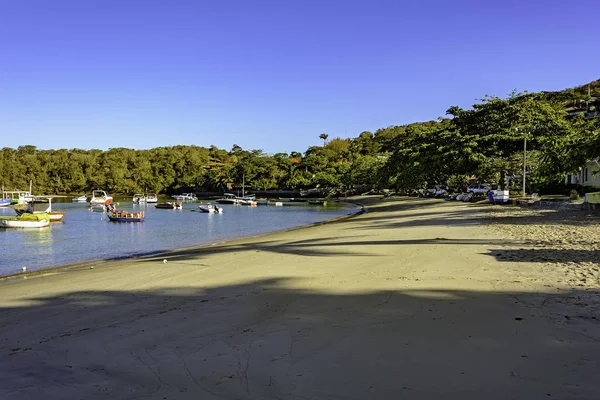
<point x="414" y="299"/>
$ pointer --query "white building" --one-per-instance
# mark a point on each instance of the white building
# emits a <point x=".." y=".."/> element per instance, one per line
<point x="588" y="175"/>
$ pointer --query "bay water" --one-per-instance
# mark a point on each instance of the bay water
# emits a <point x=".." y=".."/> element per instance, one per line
<point x="86" y="235"/>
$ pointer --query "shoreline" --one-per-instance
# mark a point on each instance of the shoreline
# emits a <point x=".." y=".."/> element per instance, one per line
<point x="62" y="269"/>
<point x="415" y="298"/>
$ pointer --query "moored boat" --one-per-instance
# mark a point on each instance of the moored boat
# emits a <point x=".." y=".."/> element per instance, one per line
<point x="185" y="197"/>
<point x="125" y="216"/>
<point x="170" y="205"/>
<point x="26" y="220"/>
<point x="100" y="207"/>
<point x="81" y="198"/>
<point x="139" y="198"/>
<point x="228" y="198"/>
<point x="100" y="197"/>
<point x="209" y="208"/>
<point x="56" y="216"/>
<point x="151" y="198"/>
<point x="39" y="205"/>
<point x="249" y="200"/>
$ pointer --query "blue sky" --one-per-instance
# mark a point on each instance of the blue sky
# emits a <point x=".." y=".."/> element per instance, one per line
<point x="271" y="75"/>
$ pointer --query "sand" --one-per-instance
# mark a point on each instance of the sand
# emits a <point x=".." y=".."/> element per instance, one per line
<point x="415" y="299"/>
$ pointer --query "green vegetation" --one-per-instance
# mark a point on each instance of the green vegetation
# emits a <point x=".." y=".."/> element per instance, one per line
<point x="483" y="143"/>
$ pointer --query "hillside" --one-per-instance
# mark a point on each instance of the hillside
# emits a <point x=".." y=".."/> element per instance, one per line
<point x="572" y="97"/>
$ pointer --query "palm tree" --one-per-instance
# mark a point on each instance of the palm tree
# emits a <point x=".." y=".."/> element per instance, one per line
<point x="324" y="136"/>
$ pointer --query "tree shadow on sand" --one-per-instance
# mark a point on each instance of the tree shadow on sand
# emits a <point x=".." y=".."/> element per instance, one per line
<point x="545" y="255"/>
<point x="543" y="216"/>
<point x="272" y="339"/>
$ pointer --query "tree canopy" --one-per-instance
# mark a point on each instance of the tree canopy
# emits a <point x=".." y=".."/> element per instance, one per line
<point x="484" y="143"/>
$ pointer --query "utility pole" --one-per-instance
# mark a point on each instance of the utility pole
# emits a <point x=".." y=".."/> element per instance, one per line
<point x="524" y="161"/>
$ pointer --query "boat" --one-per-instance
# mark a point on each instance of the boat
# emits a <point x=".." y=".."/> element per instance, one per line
<point x="5" y="200"/>
<point x="56" y="216"/>
<point x="81" y="198"/>
<point x="17" y="197"/>
<point x="170" y="205"/>
<point x="39" y="205"/>
<point x="228" y="198"/>
<point x="209" y="208"/>
<point x="100" y="197"/>
<point x="151" y="198"/>
<point x="101" y="207"/>
<point x="185" y="197"/>
<point x="139" y="198"/>
<point x="125" y="216"/>
<point x="26" y="220"/>
<point x="247" y="202"/>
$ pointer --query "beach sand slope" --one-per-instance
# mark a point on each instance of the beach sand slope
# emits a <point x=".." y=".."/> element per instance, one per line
<point x="414" y="299"/>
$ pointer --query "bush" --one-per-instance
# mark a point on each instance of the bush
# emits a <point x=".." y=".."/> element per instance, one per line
<point x="564" y="189"/>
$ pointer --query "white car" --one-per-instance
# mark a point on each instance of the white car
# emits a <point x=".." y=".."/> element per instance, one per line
<point x="480" y="188"/>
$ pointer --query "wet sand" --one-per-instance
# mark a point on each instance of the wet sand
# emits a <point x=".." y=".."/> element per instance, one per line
<point x="414" y="299"/>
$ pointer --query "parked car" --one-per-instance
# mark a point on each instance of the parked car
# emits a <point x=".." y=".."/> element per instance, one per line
<point x="480" y="188"/>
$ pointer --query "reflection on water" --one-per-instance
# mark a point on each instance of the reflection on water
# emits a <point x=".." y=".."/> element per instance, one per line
<point x="39" y="236"/>
<point x="85" y="235"/>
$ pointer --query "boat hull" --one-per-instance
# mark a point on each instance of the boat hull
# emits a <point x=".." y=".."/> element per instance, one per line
<point x="108" y="201"/>
<point x="126" y="219"/>
<point x="169" y="205"/>
<point x="210" y="210"/>
<point x="226" y="201"/>
<point x="124" y="216"/>
<point x="26" y="221"/>
<point x="56" y="216"/>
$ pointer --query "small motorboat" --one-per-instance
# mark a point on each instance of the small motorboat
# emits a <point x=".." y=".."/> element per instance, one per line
<point x="100" y="197"/>
<point x="82" y="198"/>
<point x="25" y="220"/>
<point x="56" y="216"/>
<point x="102" y="208"/>
<point x="228" y="198"/>
<point x="209" y="208"/>
<point x="170" y="205"/>
<point x="125" y="216"/>
<point x="185" y="197"/>
<point x="39" y="205"/>
<point x="151" y="198"/>
<point x="139" y="198"/>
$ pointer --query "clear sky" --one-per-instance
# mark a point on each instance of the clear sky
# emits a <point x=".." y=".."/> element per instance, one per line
<point x="271" y="75"/>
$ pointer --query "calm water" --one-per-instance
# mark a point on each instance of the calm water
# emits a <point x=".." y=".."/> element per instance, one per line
<point x="85" y="235"/>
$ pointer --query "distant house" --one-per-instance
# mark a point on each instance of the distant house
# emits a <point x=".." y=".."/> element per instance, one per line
<point x="589" y="109"/>
<point x="588" y="175"/>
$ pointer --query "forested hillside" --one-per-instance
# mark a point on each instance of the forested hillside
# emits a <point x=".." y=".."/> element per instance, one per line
<point x="484" y="143"/>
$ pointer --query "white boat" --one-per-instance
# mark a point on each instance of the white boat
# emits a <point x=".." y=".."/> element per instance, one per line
<point x="27" y="220"/>
<point x="151" y="198"/>
<point x="39" y="205"/>
<point x="185" y="197"/>
<point x="5" y="200"/>
<point x="102" y="207"/>
<point x="139" y="198"/>
<point x="247" y="201"/>
<point x="81" y="198"/>
<point x="100" y="197"/>
<point x="209" y="208"/>
<point x="228" y="198"/>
